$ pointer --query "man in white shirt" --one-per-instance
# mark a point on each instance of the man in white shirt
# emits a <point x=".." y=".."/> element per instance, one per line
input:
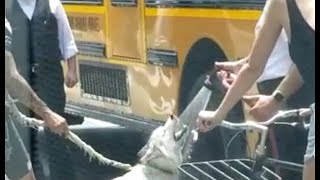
<point x="277" y="67"/>
<point x="42" y="37"/>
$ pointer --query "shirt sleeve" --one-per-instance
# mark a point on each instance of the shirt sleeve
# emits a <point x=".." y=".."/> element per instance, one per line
<point x="67" y="43"/>
<point x="8" y="36"/>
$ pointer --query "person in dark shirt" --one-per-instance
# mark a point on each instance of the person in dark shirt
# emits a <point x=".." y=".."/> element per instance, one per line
<point x="17" y="161"/>
<point x="42" y="39"/>
<point x="297" y="17"/>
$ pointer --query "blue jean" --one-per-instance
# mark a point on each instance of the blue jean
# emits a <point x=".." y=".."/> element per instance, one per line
<point x="310" y="151"/>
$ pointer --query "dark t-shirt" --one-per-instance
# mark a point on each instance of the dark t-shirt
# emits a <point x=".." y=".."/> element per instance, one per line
<point x="17" y="162"/>
<point x="8" y="44"/>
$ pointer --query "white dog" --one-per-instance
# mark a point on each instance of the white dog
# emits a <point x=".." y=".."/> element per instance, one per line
<point x="161" y="156"/>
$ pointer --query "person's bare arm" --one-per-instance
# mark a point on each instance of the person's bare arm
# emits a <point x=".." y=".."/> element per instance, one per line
<point x="291" y="83"/>
<point x="71" y="77"/>
<point x="67" y="44"/>
<point x="19" y="88"/>
<point x="72" y="63"/>
<point x="262" y="47"/>
<point x="256" y="60"/>
<point x="263" y="107"/>
<point x="231" y="66"/>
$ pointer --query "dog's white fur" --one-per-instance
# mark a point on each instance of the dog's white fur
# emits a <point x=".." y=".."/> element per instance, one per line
<point x="161" y="156"/>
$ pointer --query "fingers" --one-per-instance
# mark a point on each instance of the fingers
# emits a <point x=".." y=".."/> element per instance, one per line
<point x="204" y="125"/>
<point x="63" y="130"/>
<point x="227" y="66"/>
<point x="232" y="76"/>
<point x="222" y="76"/>
<point x="66" y="131"/>
<point x="261" y="113"/>
<point x="250" y="100"/>
<point x="201" y="124"/>
<point x="226" y="78"/>
<point x="225" y="84"/>
<point x="74" y="82"/>
<point x="67" y="81"/>
<point x="254" y="110"/>
<point x="204" y="122"/>
<point x="70" y="82"/>
<point x="305" y="112"/>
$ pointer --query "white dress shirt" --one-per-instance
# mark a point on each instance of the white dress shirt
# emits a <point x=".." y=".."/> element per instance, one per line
<point x="279" y="62"/>
<point x="67" y="43"/>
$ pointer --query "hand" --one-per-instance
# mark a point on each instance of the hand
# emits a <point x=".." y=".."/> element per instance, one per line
<point x="230" y="66"/>
<point x="71" y="78"/>
<point x="226" y="78"/>
<point x="207" y="120"/>
<point x="263" y="107"/>
<point x="56" y="123"/>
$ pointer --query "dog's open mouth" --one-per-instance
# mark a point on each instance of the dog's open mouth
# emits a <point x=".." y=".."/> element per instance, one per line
<point x="179" y="134"/>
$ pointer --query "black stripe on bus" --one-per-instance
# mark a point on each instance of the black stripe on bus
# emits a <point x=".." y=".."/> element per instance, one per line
<point x="206" y="4"/>
<point x="82" y="2"/>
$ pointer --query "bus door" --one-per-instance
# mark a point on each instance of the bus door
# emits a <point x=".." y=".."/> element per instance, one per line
<point x="126" y="30"/>
<point x="87" y="21"/>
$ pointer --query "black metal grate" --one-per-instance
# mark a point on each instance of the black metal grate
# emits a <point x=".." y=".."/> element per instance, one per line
<point x="162" y="57"/>
<point x="237" y="169"/>
<point x="91" y="49"/>
<point x="107" y="83"/>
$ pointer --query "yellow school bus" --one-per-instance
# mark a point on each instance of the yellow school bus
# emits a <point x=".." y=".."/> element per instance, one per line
<point x="140" y="59"/>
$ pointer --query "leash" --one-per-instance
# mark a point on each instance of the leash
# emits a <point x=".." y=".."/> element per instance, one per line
<point x="35" y="123"/>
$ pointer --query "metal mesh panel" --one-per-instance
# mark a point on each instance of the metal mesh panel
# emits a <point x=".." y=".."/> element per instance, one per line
<point x="105" y="82"/>
<point x="237" y="169"/>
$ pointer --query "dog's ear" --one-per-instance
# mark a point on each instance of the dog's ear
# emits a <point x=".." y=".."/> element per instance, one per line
<point x="150" y="153"/>
<point x="153" y="152"/>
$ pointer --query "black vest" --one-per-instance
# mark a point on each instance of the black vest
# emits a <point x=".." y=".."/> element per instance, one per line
<point x="35" y="41"/>
<point x="35" y="47"/>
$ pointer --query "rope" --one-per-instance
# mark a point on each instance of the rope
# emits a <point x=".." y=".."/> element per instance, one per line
<point x="35" y="123"/>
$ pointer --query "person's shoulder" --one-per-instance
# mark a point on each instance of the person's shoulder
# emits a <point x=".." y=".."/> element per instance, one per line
<point x="55" y="6"/>
<point x="274" y="5"/>
<point x="54" y="3"/>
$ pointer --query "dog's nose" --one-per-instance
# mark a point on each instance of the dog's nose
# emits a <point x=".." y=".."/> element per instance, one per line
<point x="172" y="117"/>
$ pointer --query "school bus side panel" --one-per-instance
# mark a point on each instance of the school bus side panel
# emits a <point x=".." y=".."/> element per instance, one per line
<point x="153" y="90"/>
